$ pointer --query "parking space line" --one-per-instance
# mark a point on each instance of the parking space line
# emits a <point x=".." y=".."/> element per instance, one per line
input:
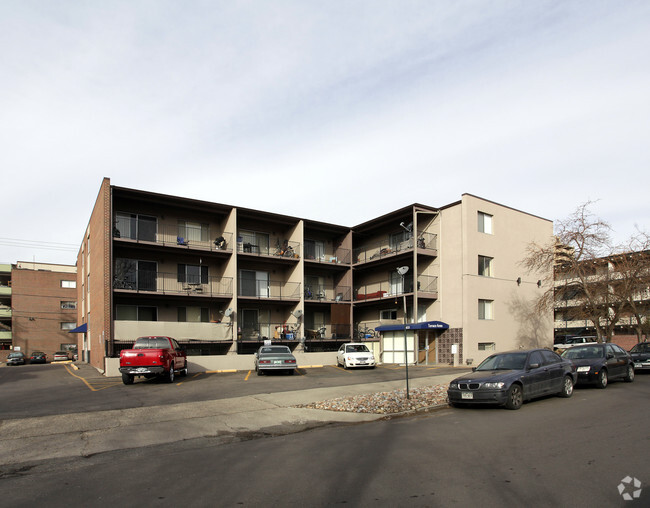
<point x="247" y="375"/>
<point x="107" y="384"/>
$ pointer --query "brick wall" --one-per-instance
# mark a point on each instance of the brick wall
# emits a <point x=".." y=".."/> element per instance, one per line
<point x="36" y="309"/>
<point x="446" y="339"/>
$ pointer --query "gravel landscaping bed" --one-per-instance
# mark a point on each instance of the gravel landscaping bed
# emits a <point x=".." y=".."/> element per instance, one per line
<point x="386" y="402"/>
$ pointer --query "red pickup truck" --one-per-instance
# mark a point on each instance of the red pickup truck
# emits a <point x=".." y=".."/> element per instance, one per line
<point x="153" y="356"/>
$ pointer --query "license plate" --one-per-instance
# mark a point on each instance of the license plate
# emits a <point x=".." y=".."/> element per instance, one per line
<point x="277" y="362"/>
<point x="638" y="365"/>
<point x="142" y="369"/>
<point x="363" y="363"/>
<point x="466" y="395"/>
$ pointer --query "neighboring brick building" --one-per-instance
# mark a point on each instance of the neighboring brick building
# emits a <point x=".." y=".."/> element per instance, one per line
<point x="44" y="307"/>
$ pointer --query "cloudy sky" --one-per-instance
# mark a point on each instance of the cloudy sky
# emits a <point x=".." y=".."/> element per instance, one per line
<point x="336" y="111"/>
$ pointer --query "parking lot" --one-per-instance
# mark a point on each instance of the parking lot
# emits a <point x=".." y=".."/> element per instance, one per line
<point x="40" y="390"/>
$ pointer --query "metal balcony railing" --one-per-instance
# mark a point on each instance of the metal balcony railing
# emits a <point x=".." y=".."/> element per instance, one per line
<point x="328" y="332"/>
<point x="181" y="236"/>
<point x="287" y="249"/>
<point x="327" y="293"/>
<point x="381" y="290"/>
<point x="274" y="289"/>
<point x="387" y="247"/>
<point x="272" y="331"/>
<point x="427" y="284"/>
<point x="168" y="283"/>
<point x="340" y="256"/>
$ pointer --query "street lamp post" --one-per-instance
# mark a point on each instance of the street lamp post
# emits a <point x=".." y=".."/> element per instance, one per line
<point x="402" y="271"/>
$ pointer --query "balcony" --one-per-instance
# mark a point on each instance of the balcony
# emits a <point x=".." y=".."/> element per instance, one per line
<point x="328" y="332"/>
<point x="387" y="248"/>
<point x="258" y="332"/>
<point x="5" y="290"/>
<point x="5" y="336"/>
<point x="271" y="290"/>
<point x="328" y="293"/>
<point x="5" y="312"/>
<point x="168" y="283"/>
<point x="427" y="286"/>
<point x="340" y="256"/>
<point x="177" y="236"/>
<point x="288" y="250"/>
<point x="379" y="290"/>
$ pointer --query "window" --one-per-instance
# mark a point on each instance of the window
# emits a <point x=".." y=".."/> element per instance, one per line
<point x="135" y="227"/>
<point x="68" y="283"/>
<point x="485" y="266"/>
<point x="192" y="274"/>
<point x="400" y="241"/>
<point x="68" y="305"/>
<point x="484" y="223"/>
<point x="486" y="346"/>
<point x="252" y="283"/>
<point x="255" y="242"/>
<point x="314" y="250"/>
<point x="550" y="357"/>
<point x="68" y="325"/>
<point x="136" y="313"/>
<point x="388" y="314"/>
<point x="193" y="315"/>
<point x="485" y="309"/>
<point x="193" y="231"/>
<point x="133" y="274"/>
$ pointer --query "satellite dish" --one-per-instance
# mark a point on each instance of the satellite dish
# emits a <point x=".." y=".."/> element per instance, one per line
<point x="297" y="313"/>
<point x="402" y="270"/>
<point x="228" y="312"/>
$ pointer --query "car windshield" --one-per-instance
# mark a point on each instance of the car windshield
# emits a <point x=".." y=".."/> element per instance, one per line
<point x="151" y="343"/>
<point x="15" y="355"/>
<point x="275" y="350"/>
<point x="584" y="352"/>
<point x="505" y="361"/>
<point x="643" y="347"/>
<point x="356" y="348"/>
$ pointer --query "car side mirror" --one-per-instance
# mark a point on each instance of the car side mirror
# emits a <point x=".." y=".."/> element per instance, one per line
<point x="610" y="356"/>
<point x="533" y="366"/>
<point x="473" y="369"/>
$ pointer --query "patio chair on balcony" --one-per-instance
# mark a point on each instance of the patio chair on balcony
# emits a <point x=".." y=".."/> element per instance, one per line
<point x="181" y="241"/>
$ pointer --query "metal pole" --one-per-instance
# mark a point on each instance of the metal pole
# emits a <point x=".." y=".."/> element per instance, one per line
<point x="406" y="357"/>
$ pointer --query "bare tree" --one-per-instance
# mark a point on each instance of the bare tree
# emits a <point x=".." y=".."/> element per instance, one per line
<point x="630" y="282"/>
<point x="579" y="279"/>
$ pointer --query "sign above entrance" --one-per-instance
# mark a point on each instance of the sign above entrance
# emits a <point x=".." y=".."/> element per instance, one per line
<point x="427" y="325"/>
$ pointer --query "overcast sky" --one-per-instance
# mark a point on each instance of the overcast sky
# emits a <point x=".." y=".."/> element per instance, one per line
<point x="336" y="111"/>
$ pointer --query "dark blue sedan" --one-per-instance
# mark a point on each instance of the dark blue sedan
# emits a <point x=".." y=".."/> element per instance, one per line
<point x="510" y="378"/>
<point x="599" y="364"/>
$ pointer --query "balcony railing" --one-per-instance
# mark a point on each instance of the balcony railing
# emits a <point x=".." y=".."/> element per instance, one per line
<point x="168" y="283"/>
<point x="289" y="250"/>
<point x="385" y="248"/>
<point x="273" y="331"/>
<point x="180" y="236"/>
<point x="274" y="290"/>
<point x="341" y="256"/>
<point x="327" y="293"/>
<point x="427" y="284"/>
<point x="328" y="332"/>
<point x="380" y="290"/>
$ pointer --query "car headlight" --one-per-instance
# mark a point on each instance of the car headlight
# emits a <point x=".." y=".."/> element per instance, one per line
<point x="494" y="385"/>
<point x="584" y="369"/>
<point x="453" y="385"/>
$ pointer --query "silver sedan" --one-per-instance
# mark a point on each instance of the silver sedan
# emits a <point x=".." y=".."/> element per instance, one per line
<point x="275" y="358"/>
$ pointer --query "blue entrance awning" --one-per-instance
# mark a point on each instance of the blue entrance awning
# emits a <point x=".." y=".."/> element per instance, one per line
<point x="427" y="325"/>
<point x="80" y="329"/>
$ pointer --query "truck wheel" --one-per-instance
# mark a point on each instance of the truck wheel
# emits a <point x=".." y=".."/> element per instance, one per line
<point x="170" y="375"/>
<point x="127" y="379"/>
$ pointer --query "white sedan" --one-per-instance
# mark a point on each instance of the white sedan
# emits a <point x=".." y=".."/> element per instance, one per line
<point x="355" y="354"/>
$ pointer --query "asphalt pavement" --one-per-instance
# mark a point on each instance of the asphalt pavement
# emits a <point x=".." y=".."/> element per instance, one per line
<point x="267" y="414"/>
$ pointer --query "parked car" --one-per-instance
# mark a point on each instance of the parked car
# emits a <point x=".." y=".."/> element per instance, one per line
<point x="16" y="358"/>
<point x="274" y="358"/>
<point x="562" y="343"/>
<point x="600" y="363"/>
<point x="153" y="356"/>
<point x="38" y="357"/>
<point x="355" y="354"/>
<point x="510" y="378"/>
<point x="640" y="354"/>
<point x="61" y="356"/>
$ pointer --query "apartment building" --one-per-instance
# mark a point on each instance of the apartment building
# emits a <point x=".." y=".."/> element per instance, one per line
<point x="5" y="308"/>
<point x="223" y="279"/>
<point x="43" y="307"/>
